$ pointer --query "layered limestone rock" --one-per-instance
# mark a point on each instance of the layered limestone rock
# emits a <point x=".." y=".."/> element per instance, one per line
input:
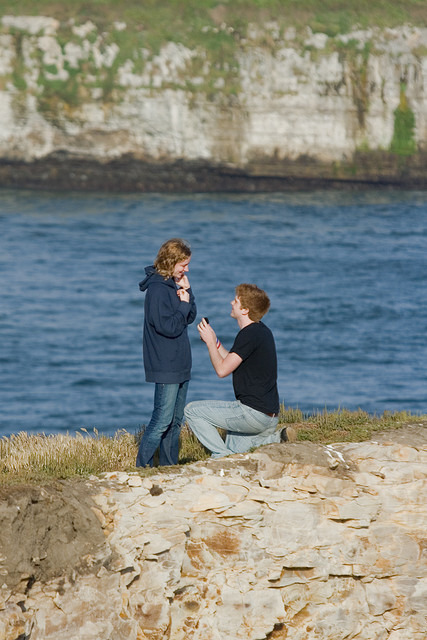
<point x="351" y="107"/>
<point x="293" y="541"/>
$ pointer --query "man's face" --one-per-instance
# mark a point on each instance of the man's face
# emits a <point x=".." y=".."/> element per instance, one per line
<point x="180" y="269"/>
<point x="236" y="307"/>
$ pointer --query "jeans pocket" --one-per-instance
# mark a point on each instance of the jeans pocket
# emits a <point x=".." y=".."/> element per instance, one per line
<point x="256" y="419"/>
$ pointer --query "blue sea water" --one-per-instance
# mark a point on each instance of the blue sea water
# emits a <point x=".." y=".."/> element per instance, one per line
<point x="346" y="274"/>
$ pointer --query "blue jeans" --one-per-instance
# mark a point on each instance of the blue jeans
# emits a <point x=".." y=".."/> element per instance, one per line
<point x="162" y="432"/>
<point x="246" y="427"/>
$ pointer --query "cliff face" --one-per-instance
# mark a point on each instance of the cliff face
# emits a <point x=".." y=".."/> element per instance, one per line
<point x="293" y="541"/>
<point x="282" y="108"/>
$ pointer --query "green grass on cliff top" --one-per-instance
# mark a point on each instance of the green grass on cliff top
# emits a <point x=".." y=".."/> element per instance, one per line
<point x="39" y="458"/>
<point x="176" y="18"/>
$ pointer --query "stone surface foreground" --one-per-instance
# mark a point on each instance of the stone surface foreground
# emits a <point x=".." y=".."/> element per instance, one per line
<point x="293" y="541"/>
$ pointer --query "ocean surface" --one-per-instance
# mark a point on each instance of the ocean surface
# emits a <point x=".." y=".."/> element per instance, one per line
<point x="346" y="274"/>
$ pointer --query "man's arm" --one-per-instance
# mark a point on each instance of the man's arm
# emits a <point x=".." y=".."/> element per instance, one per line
<point x="222" y="360"/>
<point x="223" y="366"/>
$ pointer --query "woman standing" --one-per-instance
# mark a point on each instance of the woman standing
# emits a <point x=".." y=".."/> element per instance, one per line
<point x="169" y="308"/>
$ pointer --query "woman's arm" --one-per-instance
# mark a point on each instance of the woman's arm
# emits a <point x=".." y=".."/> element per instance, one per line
<point x="185" y="294"/>
<point x="167" y="314"/>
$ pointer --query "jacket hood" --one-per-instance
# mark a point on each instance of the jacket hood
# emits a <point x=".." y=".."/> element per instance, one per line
<point x="153" y="276"/>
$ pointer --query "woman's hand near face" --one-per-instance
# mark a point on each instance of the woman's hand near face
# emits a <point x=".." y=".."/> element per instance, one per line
<point x="183" y="282"/>
<point x="183" y="295"/>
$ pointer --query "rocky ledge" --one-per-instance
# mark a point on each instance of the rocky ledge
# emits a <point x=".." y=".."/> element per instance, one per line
<point x="292" y="541"/>
<point x="68" y="172"/>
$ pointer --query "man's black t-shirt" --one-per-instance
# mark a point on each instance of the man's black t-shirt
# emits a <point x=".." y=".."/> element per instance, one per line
<point x="255" y="379"/>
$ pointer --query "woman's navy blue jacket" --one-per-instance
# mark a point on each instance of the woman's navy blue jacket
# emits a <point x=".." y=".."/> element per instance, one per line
<point x="166" y="347"/>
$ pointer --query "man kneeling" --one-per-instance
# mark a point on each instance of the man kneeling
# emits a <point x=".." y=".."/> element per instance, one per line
<point x="251" y="420"/>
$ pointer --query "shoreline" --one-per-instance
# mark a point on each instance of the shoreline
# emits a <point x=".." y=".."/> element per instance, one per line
<point x="62" y="171"/>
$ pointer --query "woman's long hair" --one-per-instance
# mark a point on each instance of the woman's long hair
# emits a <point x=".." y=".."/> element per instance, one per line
<point x="170" y="253"/>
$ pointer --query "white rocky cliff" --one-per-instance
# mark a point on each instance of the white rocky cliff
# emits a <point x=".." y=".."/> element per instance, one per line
<point x="293" y="541"/>
<point x="352" y="107"/>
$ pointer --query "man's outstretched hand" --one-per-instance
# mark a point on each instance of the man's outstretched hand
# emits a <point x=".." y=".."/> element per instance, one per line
<point x="206" y="332"/>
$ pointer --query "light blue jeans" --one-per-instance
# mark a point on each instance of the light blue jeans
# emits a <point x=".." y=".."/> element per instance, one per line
<point x="162" y="432"/>
<point x="246" y="427"/>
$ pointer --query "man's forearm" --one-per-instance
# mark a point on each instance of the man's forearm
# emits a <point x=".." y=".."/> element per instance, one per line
<point x="217" y="356"/>
<point x="222" y="351"/>
<point x="223" y="361"/>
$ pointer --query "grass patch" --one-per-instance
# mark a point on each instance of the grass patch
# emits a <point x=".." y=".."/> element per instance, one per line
<point x="190" y="449"/>
<point x="403" y="142"/>
<point x="342" y="425"/>
<point x="160" y="21"/>
<point x="34" y="458"/>
<point x="42" y="458"/>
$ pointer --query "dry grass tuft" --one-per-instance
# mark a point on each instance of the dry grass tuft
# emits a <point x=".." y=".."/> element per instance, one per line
<point x="190" y="448"/>
<point x="34" y="457"/>
<point x="342" y="425"/>
<point x="41" y="458"/>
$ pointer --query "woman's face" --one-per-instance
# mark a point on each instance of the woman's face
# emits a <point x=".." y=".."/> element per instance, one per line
<point x="181" y="269"/>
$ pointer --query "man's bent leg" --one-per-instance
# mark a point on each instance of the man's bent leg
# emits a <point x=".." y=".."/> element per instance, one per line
<point x="260" y="429"/>
<point x="205" y="417"/>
